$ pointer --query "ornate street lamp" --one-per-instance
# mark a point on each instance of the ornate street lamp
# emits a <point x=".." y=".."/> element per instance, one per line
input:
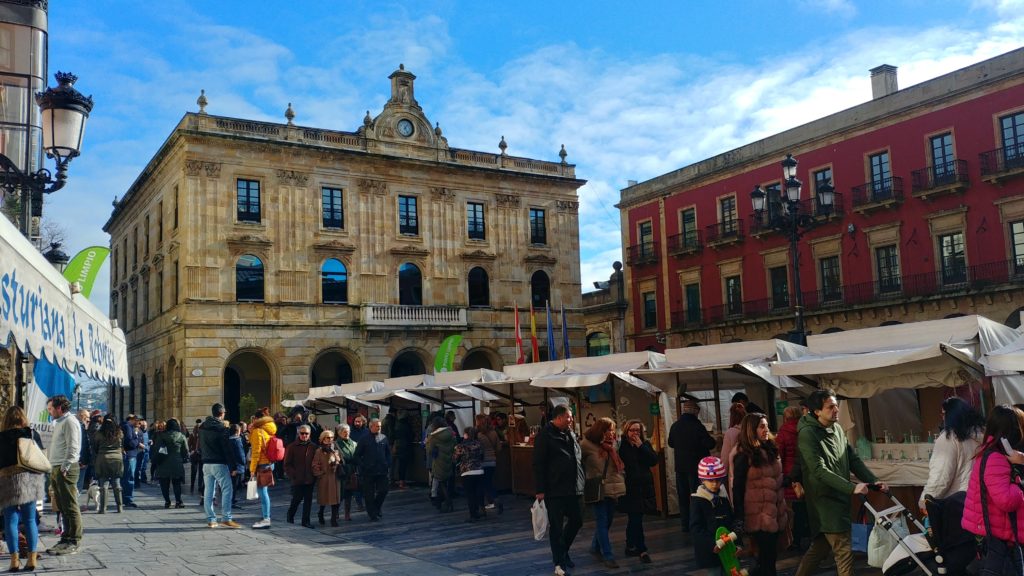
<point x="64" y="111"/>
<point x="57" y="257"/>
<point x="794" y="223"/>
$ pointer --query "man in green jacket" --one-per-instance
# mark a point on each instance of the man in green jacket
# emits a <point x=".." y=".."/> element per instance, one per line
<point x="826" y="462"/>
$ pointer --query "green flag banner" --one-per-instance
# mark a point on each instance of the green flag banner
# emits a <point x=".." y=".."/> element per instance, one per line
<point x="85" y="266"/>
<point x="445" y="359"/>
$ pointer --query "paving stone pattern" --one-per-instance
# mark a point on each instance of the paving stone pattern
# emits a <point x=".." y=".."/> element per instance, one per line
<point x="412" y="539"/>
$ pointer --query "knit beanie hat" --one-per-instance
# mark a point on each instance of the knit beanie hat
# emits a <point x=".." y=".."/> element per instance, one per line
<point x="710" y="468"/>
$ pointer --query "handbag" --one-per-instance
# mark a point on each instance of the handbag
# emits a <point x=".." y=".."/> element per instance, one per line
<point x="860" y="531"/>
<point x="250" y="490"/>
<point x="264" y="476"/>
<point x="593" y="488"/>
<point x="31" y="458"/>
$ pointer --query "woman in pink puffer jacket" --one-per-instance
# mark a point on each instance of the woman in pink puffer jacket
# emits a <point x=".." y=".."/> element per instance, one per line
<point x="1002" y="492"/>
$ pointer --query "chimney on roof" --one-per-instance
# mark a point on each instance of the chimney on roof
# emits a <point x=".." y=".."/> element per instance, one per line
<point x="630" y="182"/>
<point x="883" y="81"/>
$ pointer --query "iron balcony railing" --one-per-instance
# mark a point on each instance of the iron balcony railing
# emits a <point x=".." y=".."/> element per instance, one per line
<point x="881" y="190"/>
<point x="644" y="253"/>
<point x="950" y="279"/>
<point x="1002" y="160"/>
<point x="687" y="319"/>
<point x="725" y="231"/>
<point x="688" y="242"/>
<point x="938" y="176"/>
<point x="761" y="223"/>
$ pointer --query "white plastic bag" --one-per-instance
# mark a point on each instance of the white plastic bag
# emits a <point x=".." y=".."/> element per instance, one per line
<point x="540" y="519"/>
<point x="881" y="543"/>
<point x="250" y="490"/>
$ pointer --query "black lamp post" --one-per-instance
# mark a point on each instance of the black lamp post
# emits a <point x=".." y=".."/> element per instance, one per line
<point x="794" y="223"/>
<point x="64" y="111"/>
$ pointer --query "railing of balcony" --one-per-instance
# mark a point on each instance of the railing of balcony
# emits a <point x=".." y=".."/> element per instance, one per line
<point x="725" y="231"/>
<point x="688" y="242"/>
<point x="932" y="177"/>
<point x="1001" y="160"/>
<point x="881" y="190"/>
<point x="398" y="315"/>
<point x="687" y="319"/>
<point x="644" y="253"/>
<point x="953" y="279"/>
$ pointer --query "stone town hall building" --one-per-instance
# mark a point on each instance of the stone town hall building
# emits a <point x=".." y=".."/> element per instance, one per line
<point x="263" y="258"/>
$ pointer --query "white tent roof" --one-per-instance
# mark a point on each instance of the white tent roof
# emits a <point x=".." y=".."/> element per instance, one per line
<point x="338" y="394"/>
<point x="66" y="329"/>
<point x="739" y="363"/>
<point x="1009" y="357"/>
<point x="462" y="377"/>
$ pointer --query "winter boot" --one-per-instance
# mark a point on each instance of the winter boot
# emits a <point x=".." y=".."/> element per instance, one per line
<point x="334" y="515"/>
<point x="103" y="500"/>
<point x="117" y="499"/>
<point x="320" y="516"/>
<point x="348" y="510"/>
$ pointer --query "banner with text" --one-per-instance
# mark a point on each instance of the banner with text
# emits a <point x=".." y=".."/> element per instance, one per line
<point x="445" y="359"/>
<point x="84" y="267"/>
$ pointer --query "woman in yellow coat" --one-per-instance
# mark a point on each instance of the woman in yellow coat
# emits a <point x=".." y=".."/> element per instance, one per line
<point x="325" y="469"/>
<point x="261" y="430"/>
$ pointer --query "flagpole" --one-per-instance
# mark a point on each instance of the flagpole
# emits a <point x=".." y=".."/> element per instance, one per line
<point x="533" y="334"/>
<point x="565" y="336"/>
<point x="520" y="356"/>
<point x="552" y="351"/>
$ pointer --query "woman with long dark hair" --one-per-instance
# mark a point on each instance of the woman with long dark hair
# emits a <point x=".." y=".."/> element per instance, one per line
<point x="731" y="437"/>
<point x="109" y="463"/>
<point x="1001" y="519"/>
<point x="949" y="469"/>
<point x="18" y="491"/>
<point x="170" y="450"/>
<point x="492" y="445"/>
<point x="758" y="498"/>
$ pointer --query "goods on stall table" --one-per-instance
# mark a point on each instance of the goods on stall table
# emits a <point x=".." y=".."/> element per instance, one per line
<point x="725" y="542"/>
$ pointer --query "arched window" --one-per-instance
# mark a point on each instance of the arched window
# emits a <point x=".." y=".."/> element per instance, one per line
<point x="249" y="279"/>
<point x="479" y="288"/>
<point x="540" y="289"/>
<point x="598" y="344"/>
<point x="410" y="285"/>
<point x="334" y="282"/>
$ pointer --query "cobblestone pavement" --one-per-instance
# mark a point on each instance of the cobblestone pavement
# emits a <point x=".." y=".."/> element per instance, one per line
<point x="412" y="539"/>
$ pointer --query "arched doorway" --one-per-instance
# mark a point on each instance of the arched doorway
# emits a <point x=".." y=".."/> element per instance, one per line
<point x="331" y="368"/>
<point x="408" y="363"/>
<point x="481" y="358"/>
<point x="247" y="380"/>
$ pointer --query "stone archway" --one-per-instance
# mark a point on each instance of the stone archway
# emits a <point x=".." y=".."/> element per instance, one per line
<point x="330" y="368"/>
<point x="481" y="358"/>
<point x="246" y="374"/>
<point x="408" y="363"/>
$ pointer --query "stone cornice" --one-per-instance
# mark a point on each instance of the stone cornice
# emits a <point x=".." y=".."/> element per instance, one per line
<point x="242" y="242"/>
<point x="540" y="259"/>
<point x="334" y="246"/>
<point x="478" y="255"/>
<point x="409" y="250"/>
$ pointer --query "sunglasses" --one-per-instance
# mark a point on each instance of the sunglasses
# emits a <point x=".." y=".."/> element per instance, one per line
<point x="303" y="433"/>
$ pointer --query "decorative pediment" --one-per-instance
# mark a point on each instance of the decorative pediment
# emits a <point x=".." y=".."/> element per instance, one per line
<point x="292" y="178"/>
<point x="378" y="187"/>
<point x="202" y="168"/>
<point x="568" y="206"/>
<point x="443" y="194"/>
<point x="540" y="259"/>
<point x="402" y="120"/>
<point x="409" y="250"/>
<point x="507" y="200"/>
<point x="479" y="256"/>
<point x="334" y="246"/>
<point x="247" y="242"/>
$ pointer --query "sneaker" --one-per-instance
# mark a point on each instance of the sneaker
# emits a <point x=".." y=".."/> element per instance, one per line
<point x="211" y="524"/>
<point x="67" y="549"/>
<point x="264" y="523"/>
<point x="559" y="571"/>
<point x="490" y="507"/>
<point x="230" y="524"/>
<point x="131" y="505"/>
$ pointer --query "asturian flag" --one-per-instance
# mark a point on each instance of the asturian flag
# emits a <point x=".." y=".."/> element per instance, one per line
<point x="533" y="334"/>
<point x="520" y="354"/>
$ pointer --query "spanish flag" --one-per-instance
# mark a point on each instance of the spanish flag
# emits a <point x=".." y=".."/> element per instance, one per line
<point x="520" y="354"/>
<point x="533" y="335"/>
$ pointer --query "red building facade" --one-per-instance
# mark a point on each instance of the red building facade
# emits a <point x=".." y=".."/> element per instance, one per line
<point x="928" y="219"/>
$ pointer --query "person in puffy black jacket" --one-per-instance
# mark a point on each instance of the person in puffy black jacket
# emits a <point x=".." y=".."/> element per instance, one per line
<point x="373" y="456"/>
<point x="558" y="481"/>
<point x="638" y="456"/>
<point x="691" y="442"/>
<point x="218" y="466"/>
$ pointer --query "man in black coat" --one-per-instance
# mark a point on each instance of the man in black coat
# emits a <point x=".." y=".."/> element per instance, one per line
<point x="558" y="480"/>
<point x="130" y="445"/>
<point x="691" y="442"/>
<point x="373" y="458"/>
<point x="218" y="464"/>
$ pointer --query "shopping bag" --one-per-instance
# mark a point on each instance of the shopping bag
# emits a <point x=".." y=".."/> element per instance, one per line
<point x="250" y="490"/>
<point x="540" y="519"/>
<point x="881" y="543"/>
<point x="860" y="530"/>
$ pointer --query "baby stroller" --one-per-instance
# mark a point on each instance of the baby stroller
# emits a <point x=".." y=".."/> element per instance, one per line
<point x="954" y="547"/>
<point x="913" y="553"/>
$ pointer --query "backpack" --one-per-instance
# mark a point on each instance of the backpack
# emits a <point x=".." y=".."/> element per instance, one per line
<point x="274" y="449"/>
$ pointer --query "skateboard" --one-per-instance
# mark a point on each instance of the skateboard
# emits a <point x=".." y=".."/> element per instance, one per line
<point x="725" y="544"/>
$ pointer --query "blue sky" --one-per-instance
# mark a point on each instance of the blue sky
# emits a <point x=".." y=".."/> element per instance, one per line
<point x="633" y="89"/>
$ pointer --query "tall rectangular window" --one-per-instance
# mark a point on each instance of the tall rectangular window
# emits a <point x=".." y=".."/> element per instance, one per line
<point x="1017" y="237"/>
<point x="733" y="296"/>
<point x="160" y="224"/>
<point x="174" y="283"/>
<point x="408" y="217"/>
<point x="727" y="208"/>
<point x="248" y="200"/>
<point x="113" y="266"/>
<point x="135" y="248"/>
<point x="779" y="278"/>
<point x="1012" y="131"/>
<point x="175" y="207"/>
<point x="942" y="157"/>
<point x="688" y="227"/>
<point x="887" y="263"/>
<point x="693" y="312"/>
<point x="831" y="282"/>
<point x="773" y="200"/>
<point x="538" y="229"/>
<point x="822" y="177"/>
<point x="146" y="234"/>
<point x="645" y="238"/>
<point x="475" y="226"/>
<point x="954" y="262"/>
<point x="160" y="292"/>
<point x="881" y="176"/>
<point x="332" y="208"/>
<point x="650" y="310"/>
<point x="145" y="301"/>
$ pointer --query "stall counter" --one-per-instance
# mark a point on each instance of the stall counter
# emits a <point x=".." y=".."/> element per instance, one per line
<point x="522" y="469"/>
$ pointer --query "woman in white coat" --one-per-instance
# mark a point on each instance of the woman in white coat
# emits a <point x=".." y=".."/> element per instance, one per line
<point x="949" y="469"/>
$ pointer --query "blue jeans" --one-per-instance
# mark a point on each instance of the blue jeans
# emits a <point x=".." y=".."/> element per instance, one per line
<point x="128" y="479"/>
<point x="25" y="513"/>
<point x="264" y="494"/>
<point x="603" y="513"/>
<point x="217" y="475"/>
<point x="141" y="460"/>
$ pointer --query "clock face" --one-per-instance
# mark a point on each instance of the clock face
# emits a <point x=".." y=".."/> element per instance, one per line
<point x="405" y="128"/>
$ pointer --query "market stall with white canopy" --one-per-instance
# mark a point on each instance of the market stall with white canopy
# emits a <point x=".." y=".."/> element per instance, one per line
<point x="46" y="318"/>
<point x="1009" y="358"/>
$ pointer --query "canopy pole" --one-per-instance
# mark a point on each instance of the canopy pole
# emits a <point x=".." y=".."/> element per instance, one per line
<point x="679" y="398"/>
<point x="718" y="401"/>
